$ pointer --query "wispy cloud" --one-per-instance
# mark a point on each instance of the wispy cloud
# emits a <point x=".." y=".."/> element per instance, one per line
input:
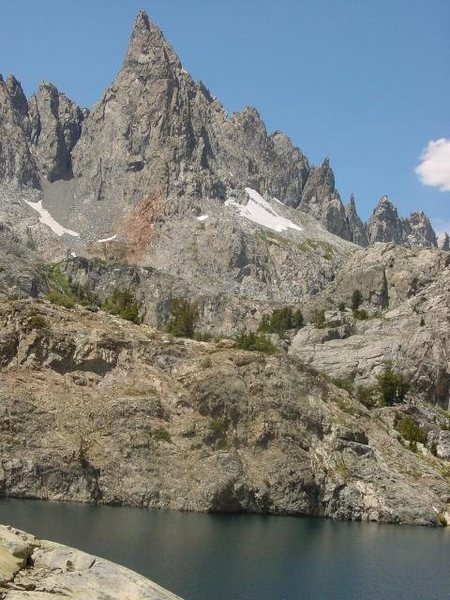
<point x="434" y="168"/>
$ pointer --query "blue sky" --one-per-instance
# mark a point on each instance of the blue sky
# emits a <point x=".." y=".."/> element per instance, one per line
<point x="363" y="82"/>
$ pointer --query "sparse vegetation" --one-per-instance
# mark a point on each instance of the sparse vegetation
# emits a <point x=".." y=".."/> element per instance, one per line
<point x="361" y="314"/>
<point x="160" y="434"/>
<point x="357" y="300"/>
<point x="393" y="387"/>
<point x="367" y="395"/>
<point x="282" y="320"/>
<point x="255" y="341"/>
<point x="38" y="322"/>
<point x="318" y="319"/>
<point x="316" y="246"/>
<point x="184" y="315"/>
<point x="123" y="304"/>
<point x="343" y="383"/>
<point x="411" y="432"/>
<point x="60" y="298"/>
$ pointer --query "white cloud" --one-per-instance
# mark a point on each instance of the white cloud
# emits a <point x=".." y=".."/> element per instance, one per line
<point x="434" y="169"/>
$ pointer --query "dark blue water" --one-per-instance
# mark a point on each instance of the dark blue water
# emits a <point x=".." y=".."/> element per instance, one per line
<point x="209" y="557"/>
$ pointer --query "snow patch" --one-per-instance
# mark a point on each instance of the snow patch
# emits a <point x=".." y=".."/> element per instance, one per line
<point x="47" y="219"/>
<point x="202" y="218"/>
<point x="260" y="211"/>
<point x="110" y="239"/>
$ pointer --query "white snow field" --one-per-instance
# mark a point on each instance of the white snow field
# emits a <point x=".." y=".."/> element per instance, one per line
<point x="260" y="211"/>
<point x="47" y="219"/>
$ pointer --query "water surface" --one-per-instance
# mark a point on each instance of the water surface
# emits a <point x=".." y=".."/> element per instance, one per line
<point x="245" y="557"/>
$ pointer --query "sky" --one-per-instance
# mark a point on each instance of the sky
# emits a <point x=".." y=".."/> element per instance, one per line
<point x="365" y="83"/>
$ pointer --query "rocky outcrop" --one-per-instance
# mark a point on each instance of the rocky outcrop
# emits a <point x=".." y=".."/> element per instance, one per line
<point x="385" y="224"/>
<point x="55" y="123"/>
<point x="357" y="228"/>
<point x="33" y="568"/>
<point x="321" y="199"/>
<point x="405" y="294"/>
<point x="116" y="413"/>
<point x="16" y="161"/>
<point x="418" y="230"/>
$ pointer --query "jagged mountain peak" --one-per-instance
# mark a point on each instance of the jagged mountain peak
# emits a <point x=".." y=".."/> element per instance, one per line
<point x="148" y="46"/>
<point x="385" y="203"/>
<point x="352" y="203"/>
<point x="142" y="21"/>
<point x="157" y="133"/>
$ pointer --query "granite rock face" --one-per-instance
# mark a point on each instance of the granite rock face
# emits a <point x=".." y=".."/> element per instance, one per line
<point x="111" y="412"/>
<point x="406" y="294"/>
<point x="418" y="231"/>
<point x="321" y="199"/>
<point x="385" y="225"/>
<point x="181" y="145"/>
<point x="16" y="161"/>
<point x="55" y="123"/>
<point x="31" y="568"/>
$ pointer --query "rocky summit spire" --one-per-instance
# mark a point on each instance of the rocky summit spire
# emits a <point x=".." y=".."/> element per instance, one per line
<point x="17" y="96"/>
<point x="55" y="129"/>
<point x="357" y="227"/>
<point x="16" y="161"/>
<point x="147" y="46"/>
<point x="418" y="230"/>
<point x="321" y="199"/>
<point x="385" y="225"/>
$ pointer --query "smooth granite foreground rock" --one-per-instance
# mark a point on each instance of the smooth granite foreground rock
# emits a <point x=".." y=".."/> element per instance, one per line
<point x="32" y="569"/>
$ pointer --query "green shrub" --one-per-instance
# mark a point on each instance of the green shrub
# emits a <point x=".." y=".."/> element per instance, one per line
<point x="367" y="395"/>
<point x="123" y="304"/>
<point x="61" y="299"/>
<point x="393" y="387"/>
<point x="184" y="315"/>
<point x="410" y="431"/>
<point x="160" y="434"/>
<point x="361" y="314"/>
<point x="343" y="383"/>
<point x="342" y="307"/>
<point x="357" y="299"/>
<point x="60" y="279"/>
<point x="422" y="322"/>
<point x="255" y="341"/>
<point x="318" y="319"/>
<point x="282" y="320"/>
<point x="38" y="322"/>
<point x="218" y="427"/>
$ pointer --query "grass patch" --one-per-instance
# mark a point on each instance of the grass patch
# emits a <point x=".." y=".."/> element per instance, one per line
<point x="160" y="434"/>
<point x="60" y="299"/>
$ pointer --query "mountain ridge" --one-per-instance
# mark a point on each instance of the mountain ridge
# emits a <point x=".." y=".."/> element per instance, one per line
<point x="184" y="146"/>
